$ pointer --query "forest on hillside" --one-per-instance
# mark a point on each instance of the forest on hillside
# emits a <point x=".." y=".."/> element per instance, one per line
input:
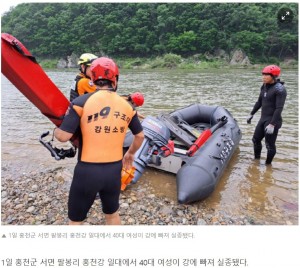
<point x="53" y="30"/>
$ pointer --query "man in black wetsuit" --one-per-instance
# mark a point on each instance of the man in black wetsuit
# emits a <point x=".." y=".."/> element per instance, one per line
<point x="271" y="101"/>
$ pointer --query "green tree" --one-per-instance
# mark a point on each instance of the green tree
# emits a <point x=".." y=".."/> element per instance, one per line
<point x="151" y="29"/>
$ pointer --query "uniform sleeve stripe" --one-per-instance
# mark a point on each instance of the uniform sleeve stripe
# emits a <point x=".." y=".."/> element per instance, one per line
<point x="78" y="110"/>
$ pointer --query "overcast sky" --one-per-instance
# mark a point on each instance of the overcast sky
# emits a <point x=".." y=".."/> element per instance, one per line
<point x="5" y="5"/>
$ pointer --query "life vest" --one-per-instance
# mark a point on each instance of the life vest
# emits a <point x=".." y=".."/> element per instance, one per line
<point x="81" y="85"/>
<point x="104" y="120"/>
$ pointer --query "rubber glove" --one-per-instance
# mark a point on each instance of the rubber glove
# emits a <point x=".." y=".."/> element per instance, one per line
<point x="249" y="119"/>
<point x="269" y="129"/>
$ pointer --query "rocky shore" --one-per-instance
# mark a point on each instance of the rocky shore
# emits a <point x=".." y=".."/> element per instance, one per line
<point x="40" y="198"/>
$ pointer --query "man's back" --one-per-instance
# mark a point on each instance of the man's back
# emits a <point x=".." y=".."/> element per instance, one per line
<point x="105" y="117"/>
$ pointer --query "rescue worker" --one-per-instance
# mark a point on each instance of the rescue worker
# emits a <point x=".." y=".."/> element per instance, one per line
<point x="103" y="118"/>
<point x="271" y="101"/>
<point x="136" y="99"/>
<point x="83" y="83"/>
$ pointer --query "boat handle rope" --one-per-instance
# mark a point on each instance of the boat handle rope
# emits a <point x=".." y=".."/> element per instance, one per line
<point x="57" y="153"/>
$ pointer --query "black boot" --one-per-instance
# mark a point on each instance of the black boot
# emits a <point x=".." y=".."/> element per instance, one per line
<point x="270" y="156"/>
<point x="271" y="151"/>
<point x="257" y="149"/>
<point x="256" y="155"/>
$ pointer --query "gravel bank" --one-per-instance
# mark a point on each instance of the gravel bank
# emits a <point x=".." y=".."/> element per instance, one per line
<point x="40" y="198"/>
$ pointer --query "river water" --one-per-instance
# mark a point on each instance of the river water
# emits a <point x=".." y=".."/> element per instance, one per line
<point x="269" y="194"/>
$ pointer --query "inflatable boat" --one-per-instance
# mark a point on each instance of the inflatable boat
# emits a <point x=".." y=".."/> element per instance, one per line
<point x="195" y="142"/>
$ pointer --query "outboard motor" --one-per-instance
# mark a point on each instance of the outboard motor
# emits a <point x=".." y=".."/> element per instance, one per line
<point x="157" y="135"/>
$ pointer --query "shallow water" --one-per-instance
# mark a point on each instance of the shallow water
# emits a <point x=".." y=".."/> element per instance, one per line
<point x="269" y="194"/>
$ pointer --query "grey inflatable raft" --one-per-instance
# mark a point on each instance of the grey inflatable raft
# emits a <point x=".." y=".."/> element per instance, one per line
<point x="197" y="174"/>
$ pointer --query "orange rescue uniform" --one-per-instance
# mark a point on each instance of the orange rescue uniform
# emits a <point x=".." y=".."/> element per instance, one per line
<point x="104" y="117"/>
<point x="82" y="85"/>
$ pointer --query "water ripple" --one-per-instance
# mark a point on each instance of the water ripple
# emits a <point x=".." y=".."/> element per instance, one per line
<point x="245" y="184"/>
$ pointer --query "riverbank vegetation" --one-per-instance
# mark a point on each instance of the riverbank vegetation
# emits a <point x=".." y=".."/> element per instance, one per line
<point x="172" y="61"/>
<point x="156" y="34"/>
<point x="165" y="61"/>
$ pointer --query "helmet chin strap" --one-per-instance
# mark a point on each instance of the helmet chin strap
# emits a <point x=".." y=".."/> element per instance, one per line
<point x="103" y="83"/>
<point x="83" y="70"/>
<point x="113" y="89"/>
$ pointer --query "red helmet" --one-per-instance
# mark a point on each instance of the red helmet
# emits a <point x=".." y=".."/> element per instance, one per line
<point x="137" y="98"/>
<point x="104" y="68"/>
<point x="273" y="70"/>
<point x="117" y="70"/>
